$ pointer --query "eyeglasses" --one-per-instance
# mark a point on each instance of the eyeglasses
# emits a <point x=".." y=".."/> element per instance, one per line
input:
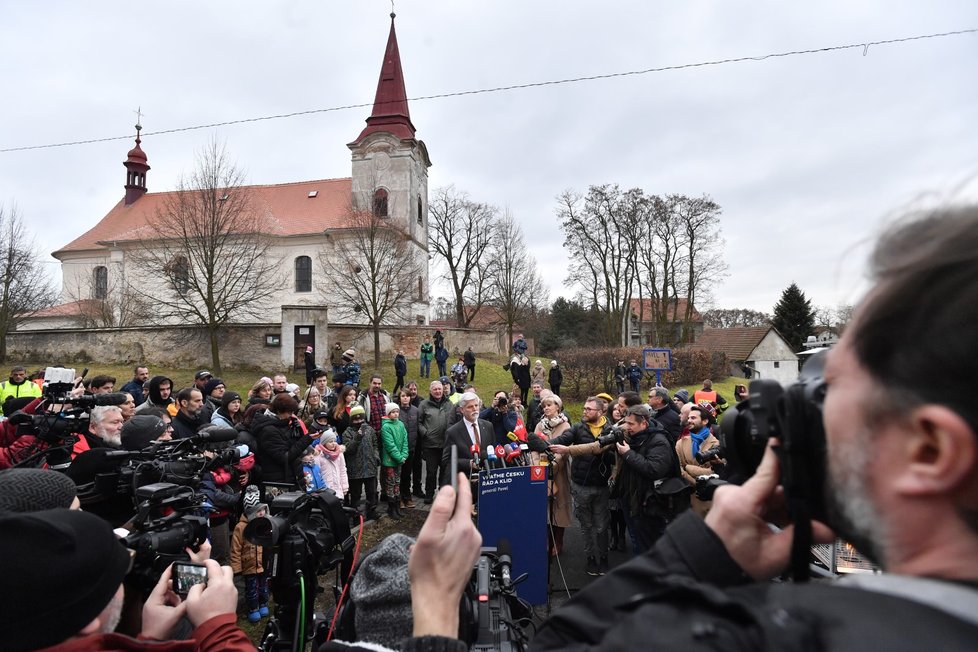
<point x="587" y="409"/>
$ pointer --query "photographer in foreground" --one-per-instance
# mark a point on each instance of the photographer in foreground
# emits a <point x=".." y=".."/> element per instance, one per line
<point x="902" y="456"/>
<point x="65" y="569"/>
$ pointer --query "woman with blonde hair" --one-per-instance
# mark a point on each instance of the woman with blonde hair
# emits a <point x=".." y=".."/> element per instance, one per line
<point x="559" y="514"/>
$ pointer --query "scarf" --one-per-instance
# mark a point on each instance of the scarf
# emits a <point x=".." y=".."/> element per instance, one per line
<point x="698" y="438"/>
<point x="331" y="454"/>
<point x="548" y="425"/>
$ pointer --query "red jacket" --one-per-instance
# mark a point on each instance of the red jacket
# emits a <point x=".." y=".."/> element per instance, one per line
<point x="218" y="633"/>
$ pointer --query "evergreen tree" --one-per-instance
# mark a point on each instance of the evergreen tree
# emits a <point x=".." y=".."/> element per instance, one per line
<point x="794" y="317"/>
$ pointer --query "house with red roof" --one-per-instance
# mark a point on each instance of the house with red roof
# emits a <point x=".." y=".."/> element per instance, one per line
<point x="389" y="176"/>
<point x="669" y="323"/>
<point x="752" y="352"/>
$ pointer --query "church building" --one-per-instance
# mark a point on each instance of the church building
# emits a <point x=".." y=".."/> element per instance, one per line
<point x="306" y="218"/>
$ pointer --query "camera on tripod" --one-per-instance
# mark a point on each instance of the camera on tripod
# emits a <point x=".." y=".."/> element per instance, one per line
<point x="310" y="535"/>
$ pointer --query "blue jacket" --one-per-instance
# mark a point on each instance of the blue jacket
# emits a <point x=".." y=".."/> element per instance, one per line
<point x="313" y="477"/>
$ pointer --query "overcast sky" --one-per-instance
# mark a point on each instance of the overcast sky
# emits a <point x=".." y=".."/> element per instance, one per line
<point x="806" y="154"/>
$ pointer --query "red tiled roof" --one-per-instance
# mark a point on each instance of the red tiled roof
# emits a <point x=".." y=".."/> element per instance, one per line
<point x="674" y="310"/>
<point x="487" y="318"/>
<point x="737" y="342"/>
<point x="72" y="309"/>
<point x="288" y="205"/>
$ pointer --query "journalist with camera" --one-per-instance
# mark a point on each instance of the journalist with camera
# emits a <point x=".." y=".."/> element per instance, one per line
<point x="901" y="448"/>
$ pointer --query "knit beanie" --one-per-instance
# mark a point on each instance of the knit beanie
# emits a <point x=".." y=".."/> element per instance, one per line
<point x="382" y="593"/>
<point x="64" y="567"/>
<point x="229" y="398"/>
<point x="140" y="430"/>
<point x="34" y="490"/>
<point x="391" y="407"/>
<point x="328" y="436"/>
<point x="683" y="395"/>
<point x="211" y="385"/>
<point x="252" y="502"/>
<point x="357" y="410"/>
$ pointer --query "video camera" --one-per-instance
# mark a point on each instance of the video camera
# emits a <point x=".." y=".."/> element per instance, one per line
<point x="310" y="535"/>
<point x="492" y="616"/>
<point x="167" y="523"/>
<point x="61" y="418"/>
<point x="792" y="415"/>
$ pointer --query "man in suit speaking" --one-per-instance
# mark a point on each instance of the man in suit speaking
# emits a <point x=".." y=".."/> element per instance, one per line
<point x="468" y="432"/>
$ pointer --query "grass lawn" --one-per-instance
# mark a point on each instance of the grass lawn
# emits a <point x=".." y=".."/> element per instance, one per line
<point x="490" y="377"/>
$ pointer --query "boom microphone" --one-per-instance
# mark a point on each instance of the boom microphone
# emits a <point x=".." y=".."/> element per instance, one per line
<point x="216" y="435"/>
<point x="88" y="401"/>
<point x="537" y="445"/>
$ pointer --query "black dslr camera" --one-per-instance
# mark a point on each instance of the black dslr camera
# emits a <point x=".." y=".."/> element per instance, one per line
<point x="615" y="435"/>
<point x="793" y="416"/>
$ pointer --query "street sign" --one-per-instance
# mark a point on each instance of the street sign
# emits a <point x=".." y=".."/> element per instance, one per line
<point x="657" y="360"/>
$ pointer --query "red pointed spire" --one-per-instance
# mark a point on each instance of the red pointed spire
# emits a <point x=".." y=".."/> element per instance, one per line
<point x="390" y="112"/>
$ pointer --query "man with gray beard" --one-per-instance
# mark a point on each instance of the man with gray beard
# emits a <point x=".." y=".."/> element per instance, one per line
<point x="104" y="430"/>
<point x="901" y="430"/>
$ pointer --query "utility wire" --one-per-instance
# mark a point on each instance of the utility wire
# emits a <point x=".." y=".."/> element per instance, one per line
<point x="497" y="89"/>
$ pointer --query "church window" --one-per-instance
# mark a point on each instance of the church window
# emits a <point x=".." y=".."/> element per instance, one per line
<point x="420" y="213"/>
<point x="101" y="290"/>
<point x="420" y="289"/>
<point x="380" y="203"/>
<point x="303" y="274"/>
<point x="178" y="271"/>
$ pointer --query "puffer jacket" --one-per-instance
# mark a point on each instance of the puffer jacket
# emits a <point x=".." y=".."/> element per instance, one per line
<point x="395" y="438"/>
<point x="245" y="556"/>
<point x="280" y="447"/>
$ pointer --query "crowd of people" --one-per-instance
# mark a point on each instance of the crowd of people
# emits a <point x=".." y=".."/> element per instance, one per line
<point x="902" y="473"/>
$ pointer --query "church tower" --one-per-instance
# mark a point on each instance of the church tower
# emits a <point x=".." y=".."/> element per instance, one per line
<point x="390" y="164"/>
<point x="136" y="169"/>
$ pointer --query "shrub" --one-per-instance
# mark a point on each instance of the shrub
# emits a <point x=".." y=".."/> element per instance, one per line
<point x="591" y="370"/>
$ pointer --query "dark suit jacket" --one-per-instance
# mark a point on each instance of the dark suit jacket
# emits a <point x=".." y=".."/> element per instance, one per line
<point x="459" y="436"/>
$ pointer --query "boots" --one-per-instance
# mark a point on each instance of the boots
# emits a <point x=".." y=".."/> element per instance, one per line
<point x="613" y="540"/>
<point x="392" y="509"/>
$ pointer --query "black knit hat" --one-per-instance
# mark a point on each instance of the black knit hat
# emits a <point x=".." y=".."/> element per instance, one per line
<point x="381" y="591"/>
<point x="34" y="490"/>
<point x="64" y="567"/>
<point x="140" y="430"/>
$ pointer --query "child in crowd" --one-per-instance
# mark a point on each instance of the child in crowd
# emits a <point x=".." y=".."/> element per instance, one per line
<point x="246" y="557"/>
<point x="332" y="465"/>
<point x="311" y="474"/>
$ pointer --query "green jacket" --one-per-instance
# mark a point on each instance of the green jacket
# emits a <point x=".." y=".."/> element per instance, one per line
<point x="395" y="438"/>
<point x="427" y="351"/>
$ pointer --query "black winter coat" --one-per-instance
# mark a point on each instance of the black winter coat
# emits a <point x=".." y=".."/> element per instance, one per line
<point x="587" y="470"/>
<point x="280" y="447"/>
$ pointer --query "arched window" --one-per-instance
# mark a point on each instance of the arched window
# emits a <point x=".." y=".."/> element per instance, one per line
<point x="178" y="271"/>
<point x="420" y="212"/>
<point x="420" y="289"/>
<point x="380" y="203"/>
<point x="101" y="289"/>
<point x="303" y="274"/>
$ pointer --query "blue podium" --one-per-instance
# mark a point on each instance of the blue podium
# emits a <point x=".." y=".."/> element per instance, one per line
<point x="513" y="505"/>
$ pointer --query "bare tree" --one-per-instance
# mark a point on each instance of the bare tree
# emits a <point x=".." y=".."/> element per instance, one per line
<point x="24" y="287"/>
<point x="600" y="236"/>
<point x="209" y="245"/>
<point x="730" y="317"/>
<point x="515" y="288"/>
<point x="381" y="275"/>
<point x="459" y="230"/>
<point x="704" y="267"/>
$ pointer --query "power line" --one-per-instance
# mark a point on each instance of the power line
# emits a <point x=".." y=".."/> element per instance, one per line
<point x="497" y="89"/>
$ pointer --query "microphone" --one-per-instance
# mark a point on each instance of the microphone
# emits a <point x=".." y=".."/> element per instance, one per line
<point x="215" y="435"/>
<point x="513" y="454"/>
<point x="524" y="454"/>
<point x="537" y="445"/>
<point x="505" y="554"/>
<point x="474" y="450"/>
<point x="512" y="436"/>
<point x="491" y="454"/>
<point x="501" y="455"/>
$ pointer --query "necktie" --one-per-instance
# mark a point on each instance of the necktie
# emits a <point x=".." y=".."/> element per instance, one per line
<point x="475" y="436"/>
